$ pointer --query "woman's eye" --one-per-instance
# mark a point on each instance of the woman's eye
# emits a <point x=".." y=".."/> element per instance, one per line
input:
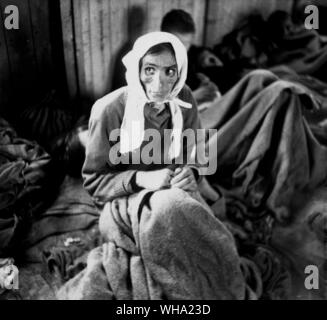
<point x="149" y="71"/>
<point x="171" y="72"/>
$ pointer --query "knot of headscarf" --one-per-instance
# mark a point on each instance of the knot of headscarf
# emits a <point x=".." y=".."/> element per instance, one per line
<point x="132" y="128"/>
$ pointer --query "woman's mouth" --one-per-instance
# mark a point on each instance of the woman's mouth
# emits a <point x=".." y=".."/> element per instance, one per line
<point x="158" y="94"/>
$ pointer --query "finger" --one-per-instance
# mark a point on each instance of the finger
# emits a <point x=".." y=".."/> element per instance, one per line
<point x="182" y="184"/>
<point x="209" y="98"/>
<point x="191" y="187"/>
<point x="203" y="78"/>
<point x="187" y="187"/>
<point x="178" y="170"/>
<point x="179" y="177"/>
<point x="213" y="86"/>
<point x="169" y="172"/>
<point x="170" y="176"/>
<point x="213" y="89"/>
<point x="211" y="92"/>
<point x="166" y="182"/>
<point x="165" y="179"/>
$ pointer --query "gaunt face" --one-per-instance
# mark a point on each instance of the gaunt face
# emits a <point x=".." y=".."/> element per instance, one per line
<point x="158" y="75"/>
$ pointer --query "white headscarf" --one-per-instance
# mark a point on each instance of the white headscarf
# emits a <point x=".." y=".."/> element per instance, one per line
<point x="132" y="128"/>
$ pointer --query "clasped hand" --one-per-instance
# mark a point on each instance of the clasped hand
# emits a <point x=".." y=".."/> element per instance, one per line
<point x="182" y="178"/>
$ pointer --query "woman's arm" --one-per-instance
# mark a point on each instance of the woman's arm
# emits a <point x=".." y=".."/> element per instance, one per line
<point x="101" y="178"/>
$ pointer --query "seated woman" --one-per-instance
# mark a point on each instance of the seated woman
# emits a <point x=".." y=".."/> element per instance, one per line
<point x="161" y="240"/>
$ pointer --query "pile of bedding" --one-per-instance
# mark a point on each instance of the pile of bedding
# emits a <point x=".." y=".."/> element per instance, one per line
<point x="27" y="183"/>
<point x="271" y="163"/>
<point x="57" y="245"/>
<point x="48" y="222"/>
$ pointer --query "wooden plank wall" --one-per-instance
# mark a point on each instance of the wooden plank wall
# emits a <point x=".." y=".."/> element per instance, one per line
<point x="100" y="28"/>
<point x="25" y="54"/>
<point x="5" y="78"/>
<point x="93" y="31"/>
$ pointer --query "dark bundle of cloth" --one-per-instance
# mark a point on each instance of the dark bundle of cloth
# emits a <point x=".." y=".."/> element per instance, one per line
<point x="202" y="60"/>
<point x="248" y="45"/>
<point x="69" y="149"/>
<point x="304" y="51"/>
<point x="53" y="124"/>
<point x="257" y="43"/>
<point x="25" y="183"/>
<point x="46" y="121"/>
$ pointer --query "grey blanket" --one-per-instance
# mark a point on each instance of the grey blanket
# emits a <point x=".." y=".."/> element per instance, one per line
<point x="266" y="150"/>
<point x="161" y="245"/>
<point x="270" y="158"/>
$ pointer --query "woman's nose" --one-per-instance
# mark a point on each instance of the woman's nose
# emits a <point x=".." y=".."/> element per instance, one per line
<point x="159" y="80"/>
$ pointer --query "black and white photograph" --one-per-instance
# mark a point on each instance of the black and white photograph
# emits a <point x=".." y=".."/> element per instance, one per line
<point x="163" y="150"/>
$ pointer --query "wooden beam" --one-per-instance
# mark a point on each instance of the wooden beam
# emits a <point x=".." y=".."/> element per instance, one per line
<point x="199" y="12"/>
<point x="21" y="53"/>
<point x="39" y="15"/>
<point x="155" y="9"/>
<point x="68" y="34"/>
<point x="6" y="86"/>
<point x="96" y="49"/>
<point x="106" y="45"/>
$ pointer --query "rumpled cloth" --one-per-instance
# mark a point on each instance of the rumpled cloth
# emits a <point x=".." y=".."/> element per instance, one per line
<point x="303" y="241"/>
<point x="304" y="51"/>
<point x="24" y="175"/>
<point x="266" y="151"/>
<point x="160" y="245"/>
<point x="63" y="263"/>
<point x="259" y="43"/>
<point x="73" y="210"/>
<point x="7" y="294"/>
<point x="269" y="159"/>
<point x="317" y="119"/>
